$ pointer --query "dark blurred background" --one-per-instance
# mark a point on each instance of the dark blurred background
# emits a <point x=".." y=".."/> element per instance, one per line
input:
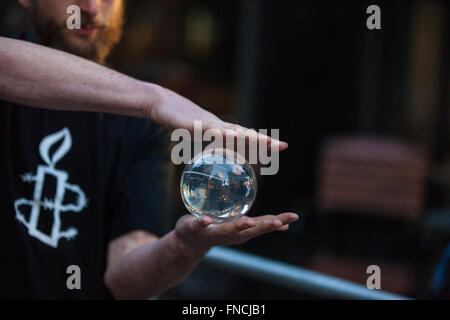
<point x="366" y="114"/>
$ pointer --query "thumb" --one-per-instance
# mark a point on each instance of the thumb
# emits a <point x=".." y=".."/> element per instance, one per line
<point x="201" y="223"/>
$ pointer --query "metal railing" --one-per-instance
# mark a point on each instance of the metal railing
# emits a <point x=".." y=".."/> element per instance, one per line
<point x="292" y="277"/>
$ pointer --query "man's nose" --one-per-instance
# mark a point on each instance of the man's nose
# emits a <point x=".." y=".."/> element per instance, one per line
<point x="89" y="7"/>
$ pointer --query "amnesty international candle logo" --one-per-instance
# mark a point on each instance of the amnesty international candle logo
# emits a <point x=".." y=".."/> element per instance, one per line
<point x="55" y="205"/>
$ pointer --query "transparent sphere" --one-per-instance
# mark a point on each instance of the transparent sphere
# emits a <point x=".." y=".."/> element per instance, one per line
<point x="218" y="183"/>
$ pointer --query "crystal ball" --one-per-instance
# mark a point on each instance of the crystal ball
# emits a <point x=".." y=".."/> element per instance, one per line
<point x="218" y="183"/>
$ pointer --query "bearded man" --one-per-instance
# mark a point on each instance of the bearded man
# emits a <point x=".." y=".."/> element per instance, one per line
<point x="84" y="167"/>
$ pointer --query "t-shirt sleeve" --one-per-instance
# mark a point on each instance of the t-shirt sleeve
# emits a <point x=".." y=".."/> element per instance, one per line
<point x="139" y="198"/>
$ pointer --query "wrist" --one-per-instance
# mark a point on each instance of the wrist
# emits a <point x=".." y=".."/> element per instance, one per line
<point x="153" y="96"/>
<point x="190" y="248"/>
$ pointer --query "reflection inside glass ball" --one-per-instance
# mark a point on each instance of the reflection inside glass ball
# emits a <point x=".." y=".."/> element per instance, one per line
<point x="218" y="183"/>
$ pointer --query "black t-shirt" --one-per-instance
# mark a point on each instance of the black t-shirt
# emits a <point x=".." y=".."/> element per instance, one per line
<point x="70" y="182"/>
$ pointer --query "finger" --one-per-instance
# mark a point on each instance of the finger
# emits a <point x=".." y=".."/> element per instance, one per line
<point x="275" y="144"/>
<point x="262" y="227"/>
<point x="269" y="223"/>
<point x="288" y="217"/>
<point x="202" y="222"/>
<point x="234" y="227"/>
<point x="243" y="224"/>
<point x="283" y="228"/>
<point x="233" y="131"/>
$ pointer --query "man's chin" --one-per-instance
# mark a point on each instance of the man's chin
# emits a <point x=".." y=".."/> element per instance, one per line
<point x="94" y="46"/>
<point x="80" y="46"/>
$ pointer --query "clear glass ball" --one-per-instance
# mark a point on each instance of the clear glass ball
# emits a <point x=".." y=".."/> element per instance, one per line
<point x="218" y="183"/>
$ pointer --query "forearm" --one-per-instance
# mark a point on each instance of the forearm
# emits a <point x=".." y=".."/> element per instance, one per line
<point x="38" y="76"/>
<point x="153" y="268"/>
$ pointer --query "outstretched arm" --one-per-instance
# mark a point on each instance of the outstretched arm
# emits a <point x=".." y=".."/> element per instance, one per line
<point x="153" y="266"/>
<point x="39" y="76"/>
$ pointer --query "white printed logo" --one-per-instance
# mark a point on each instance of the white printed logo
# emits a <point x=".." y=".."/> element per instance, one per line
<point x="56" y="204"/>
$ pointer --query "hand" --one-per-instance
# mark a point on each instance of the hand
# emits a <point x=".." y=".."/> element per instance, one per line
<point x="199" y="234"/>
<point x="173" y="111"/>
